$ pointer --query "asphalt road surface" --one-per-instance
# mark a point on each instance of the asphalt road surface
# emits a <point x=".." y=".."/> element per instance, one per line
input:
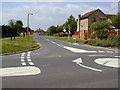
<point x="59" y="64"/>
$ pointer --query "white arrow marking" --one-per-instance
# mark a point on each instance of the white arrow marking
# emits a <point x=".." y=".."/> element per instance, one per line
<point x="47" y="39"/>
<point x="79" y="61"/>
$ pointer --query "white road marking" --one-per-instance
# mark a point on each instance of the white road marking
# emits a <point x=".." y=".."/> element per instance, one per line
<point x="31" y="63"/>
<point x="28" y="55"/>
<point x="22" y="60"/>
<point x="79" y="61"/>
<point x="111" y="62"/>
<point x="101" y="51"/>
<point x="116" y="56"/>
<point x="19" y="71"/>
<point x="47" y="39"/>
<point x="76" y="50"/>
<point x="23" y="63"/>
<point x="23" y="53"/>
<point x="59" y="45"/>
<point x="96" y="55"/>
<point x="109" y="51"/>
<point x="22" y="57"/>
<point x="29" y="59"/>
<point x="53" y="42"/>
<point x="94" y="69"/>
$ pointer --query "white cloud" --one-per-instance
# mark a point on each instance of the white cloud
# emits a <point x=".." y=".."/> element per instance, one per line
<point x="46" y="14"/>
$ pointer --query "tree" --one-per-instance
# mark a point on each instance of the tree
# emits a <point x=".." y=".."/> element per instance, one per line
<point x="72" y="23"/>
<point x="101" y="29"/>
<point x="19" y="26"/>
<point x="52" y="29"/>
<point x="116" y="21"/>
<point x="59" y="29"/>
<point x="11" y="23"/>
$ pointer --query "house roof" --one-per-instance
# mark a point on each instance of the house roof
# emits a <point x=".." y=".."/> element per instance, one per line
<point x="110" y="15"/>
<point x="86" y="15"/>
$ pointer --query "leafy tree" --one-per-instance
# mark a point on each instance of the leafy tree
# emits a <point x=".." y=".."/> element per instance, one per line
<point x="11" y="29"/>
<point x="52" y="30"/>
<point x="71" y="23"/>
<point x="11" y="23"/>
<point x="19" y="26"/>
<point x="116" y="21"/>
<point x="59" y="29"/>
<point x="101" y="29"/>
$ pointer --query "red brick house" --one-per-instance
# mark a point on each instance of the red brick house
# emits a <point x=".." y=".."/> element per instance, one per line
<point x="85" y="21"/>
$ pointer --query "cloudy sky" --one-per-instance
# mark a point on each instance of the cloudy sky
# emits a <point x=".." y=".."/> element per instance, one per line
<point x="46" y="14"/>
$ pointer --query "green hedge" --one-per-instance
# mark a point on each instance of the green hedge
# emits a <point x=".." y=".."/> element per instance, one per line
<point x="111" y="41"/>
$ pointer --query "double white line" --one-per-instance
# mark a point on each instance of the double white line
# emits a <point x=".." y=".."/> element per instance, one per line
<point x="23" y="62"/>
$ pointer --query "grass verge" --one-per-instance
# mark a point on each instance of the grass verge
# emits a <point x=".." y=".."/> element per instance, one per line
<point x="20" y="44"/>
<point x="71" y="40"/>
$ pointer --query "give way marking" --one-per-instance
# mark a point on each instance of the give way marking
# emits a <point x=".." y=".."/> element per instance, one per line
<point x="79" y="62"/>
<point x="19" y="71"/>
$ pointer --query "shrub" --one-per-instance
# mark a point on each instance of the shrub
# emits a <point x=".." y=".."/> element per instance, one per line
<point x="55" y="34"/>
<point x="111" y="41"/>
<point x="93" y="36"/>
<point x="85" y="34"/>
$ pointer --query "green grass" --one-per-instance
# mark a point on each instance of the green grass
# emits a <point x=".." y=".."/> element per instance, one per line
<point x="71" y="40"/>
<point x="20" y="44"/>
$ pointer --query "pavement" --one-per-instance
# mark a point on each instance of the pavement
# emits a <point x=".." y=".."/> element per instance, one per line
<point x="59" y="64"/>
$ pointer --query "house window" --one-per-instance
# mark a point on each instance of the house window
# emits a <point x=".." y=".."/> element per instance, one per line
<point x="102" y="19"/>
<point x="94" y="20"/>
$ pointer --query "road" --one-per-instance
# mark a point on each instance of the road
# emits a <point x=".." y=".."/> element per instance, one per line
<point x="59" y="64"/>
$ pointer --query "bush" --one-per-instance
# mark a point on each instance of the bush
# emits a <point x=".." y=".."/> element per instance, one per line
<point x="86" y="34"/>
<point x="93" y="36"/>
<point x="111" y="41"/>
<point x="56" y="34"/>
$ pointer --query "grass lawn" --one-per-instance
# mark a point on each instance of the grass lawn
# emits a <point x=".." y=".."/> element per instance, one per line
<point x="71" y="40"/>
<point x="20" y="44"/>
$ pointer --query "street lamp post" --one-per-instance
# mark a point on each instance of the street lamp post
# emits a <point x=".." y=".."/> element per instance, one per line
<point x="28" y="23"/>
